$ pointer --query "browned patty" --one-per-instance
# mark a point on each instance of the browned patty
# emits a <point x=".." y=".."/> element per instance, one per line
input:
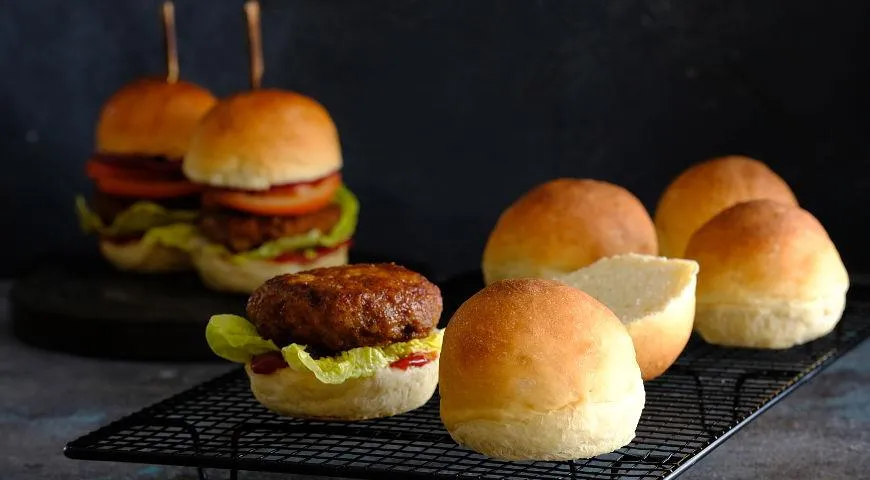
<point x="339" y="308"/>
<point x="240" y="232"/>
<point x="109" y="206"/>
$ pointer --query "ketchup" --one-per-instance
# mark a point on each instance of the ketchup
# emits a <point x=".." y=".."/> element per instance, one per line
<point x="267" y="363"/>
<point x="413" y="360"/>
<point x="299" y="257"/>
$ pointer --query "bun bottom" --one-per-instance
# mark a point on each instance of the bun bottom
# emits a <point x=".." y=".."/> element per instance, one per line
<point x="661" y="337"/>
<point x="301" y="395"/>
<point x="142" y="257"/>
<point x="770" y="325"/>
<point x="583" y="430"/>
<point x="219" y="273"/>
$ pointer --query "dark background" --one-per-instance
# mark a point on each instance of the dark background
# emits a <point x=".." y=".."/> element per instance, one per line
<point x="450" y="109"/>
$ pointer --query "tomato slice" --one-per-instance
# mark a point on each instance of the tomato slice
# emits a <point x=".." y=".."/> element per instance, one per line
<point x="96" y="169"/>
<point x="141" y="188"/>
<point x="294" y="199"/>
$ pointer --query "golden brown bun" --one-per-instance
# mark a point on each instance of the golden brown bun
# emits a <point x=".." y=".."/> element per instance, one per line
<point x="565" y="224"/>
<point x="256" y="140"/>
<point x="654" y="297"/>
<point x="152" y="117"/>
<point x="389" y="392"/>
<point x="770" y="277"/>
<point x="533" y="369"/>
<point x="707" y="188"/>
<point x="145" y="257"/>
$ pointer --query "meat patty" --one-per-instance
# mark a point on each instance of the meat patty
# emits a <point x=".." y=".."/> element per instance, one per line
<point x="109" y="206"/>
<point x="240" y="232"/>
<point x="338" y="308"/>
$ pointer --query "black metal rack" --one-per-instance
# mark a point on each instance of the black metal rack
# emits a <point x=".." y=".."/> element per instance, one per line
<point x="707" y="396"/>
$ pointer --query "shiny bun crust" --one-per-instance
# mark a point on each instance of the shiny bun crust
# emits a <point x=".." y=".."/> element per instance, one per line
<point x="256" y="140"/>
<point x="219" y="273"/>
<point x="152" y="117"/>
<point x="145" y="257"/>
<point x="532" y="369"/>
<point x="389" y="392"/>
<point x="770" y="277"/>
<point x="565" y="224"/>
<point x="707" y="188"/>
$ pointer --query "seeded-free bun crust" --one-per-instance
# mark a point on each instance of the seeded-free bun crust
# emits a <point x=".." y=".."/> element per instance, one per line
<point x="565" y="224"/>
<point x="152" y="117"/>
<point x="770" y="277"/>
<point x="256" y="140"/>
<point x="533" y="369"/>
<point x="707" y="188"/>
<point x="145" y="257"/>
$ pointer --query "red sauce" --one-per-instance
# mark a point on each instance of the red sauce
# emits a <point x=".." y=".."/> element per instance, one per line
<point x="414" y="360"/>
<point x="267" y="363"/>
<point x="299" y="257"/>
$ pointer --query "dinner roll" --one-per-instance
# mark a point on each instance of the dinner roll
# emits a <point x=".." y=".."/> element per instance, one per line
<point x="653" y="296"/>
<point x="533" y="369"/>
<point x="565" y="224"/>
<point x="770" y="277"/>
<point x="706" y="189"/>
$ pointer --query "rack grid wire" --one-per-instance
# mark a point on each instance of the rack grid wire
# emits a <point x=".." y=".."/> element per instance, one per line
<point x="704" y="398"/>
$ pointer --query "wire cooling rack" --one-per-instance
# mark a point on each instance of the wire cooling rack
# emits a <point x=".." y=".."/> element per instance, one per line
<point x="703" y="399"/>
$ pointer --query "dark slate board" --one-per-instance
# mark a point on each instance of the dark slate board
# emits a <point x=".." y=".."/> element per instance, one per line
<point x="85" y="307"/>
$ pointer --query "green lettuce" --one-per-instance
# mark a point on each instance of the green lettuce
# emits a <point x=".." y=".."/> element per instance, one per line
<point x="139" y="218"/>
<point x="235" y="339"/>
<point x="340" y="233"/>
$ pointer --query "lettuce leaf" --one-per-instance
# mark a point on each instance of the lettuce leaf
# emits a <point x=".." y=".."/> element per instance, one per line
<point x="340" y="233"/>
<point x="180" y="235"/>
<point x="234" y="338"/>
<point x="139" y="218"/>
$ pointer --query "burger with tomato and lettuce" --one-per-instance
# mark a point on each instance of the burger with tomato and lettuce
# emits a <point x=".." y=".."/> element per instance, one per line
<point x="273" y="202"/>
<point x="143" y="206"/>
<point x="350" y="342"/>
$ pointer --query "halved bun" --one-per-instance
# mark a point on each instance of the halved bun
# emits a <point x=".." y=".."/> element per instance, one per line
<point x="707" y="188"/>
<point x="145" y="257"/>
<point x="389" y="392"/>
<point x="256" y="140"/>
<point x="533" y="369"/>
<point x="770" y="277"/>
<point x="218" y="272"/>
<point x="565" y="224"/>
<point x="654" y="297"/>
<point x="152" y="117"/>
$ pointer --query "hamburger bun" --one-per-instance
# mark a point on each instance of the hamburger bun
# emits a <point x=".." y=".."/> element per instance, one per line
<point x="654" y="297"/>
<point x="145" y="257"/>
<point x="152" y="117"/>
<point x="389" y="392"/>
<point x="565" y="224"/>
<point x="707" y="188"/>
<point x="219" y="272"/>
<point x="770" y="277"/>
<point x="533" y="369"/>
<point x="264" y="138"/>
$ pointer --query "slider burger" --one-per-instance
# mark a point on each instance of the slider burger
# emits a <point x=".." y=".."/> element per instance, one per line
<point x="274" y="202"/>
<point x="143" y="205"/>
<point x="349" y="342"/>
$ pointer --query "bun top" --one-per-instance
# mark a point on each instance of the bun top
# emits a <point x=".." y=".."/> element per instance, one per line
<point x="152" y="117"/>
<point x="707" y="188"/>
<point x="532" y="346"/>
<point x="263" y="138"/>
<point x="765" y="249"/>
<point x="565" y="224"/>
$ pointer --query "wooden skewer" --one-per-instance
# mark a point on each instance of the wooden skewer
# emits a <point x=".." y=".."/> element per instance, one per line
<point x="170" y="42"/>
<point x="252" y="12"/>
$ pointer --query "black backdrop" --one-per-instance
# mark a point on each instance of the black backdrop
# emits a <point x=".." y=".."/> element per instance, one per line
<point x="450" y="109"/>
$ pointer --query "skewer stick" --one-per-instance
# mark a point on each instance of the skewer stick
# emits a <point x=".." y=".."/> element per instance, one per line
<point x="171" y="44"/>
<point x="252" y="12"/>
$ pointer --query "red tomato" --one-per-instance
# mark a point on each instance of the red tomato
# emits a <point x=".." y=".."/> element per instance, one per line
<point x="294" y="199"/>
<point x="146" y="188"/>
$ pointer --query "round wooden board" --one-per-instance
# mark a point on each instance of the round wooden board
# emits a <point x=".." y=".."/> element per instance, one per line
<point x="85" y="307"/>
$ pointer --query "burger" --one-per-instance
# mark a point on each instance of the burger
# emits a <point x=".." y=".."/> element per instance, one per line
<point x="143" y="206"/>
<point x="274" y="202"/>
<point x="350" y="342"/>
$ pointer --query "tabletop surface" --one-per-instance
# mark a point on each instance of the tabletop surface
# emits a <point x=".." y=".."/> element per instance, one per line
<point x="822" y="431"/>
